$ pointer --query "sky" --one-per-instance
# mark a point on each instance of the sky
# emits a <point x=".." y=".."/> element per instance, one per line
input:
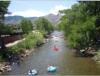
<point x="37" y="8"/>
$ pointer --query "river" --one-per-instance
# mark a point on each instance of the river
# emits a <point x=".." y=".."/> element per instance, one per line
<point x="64" y="59"/>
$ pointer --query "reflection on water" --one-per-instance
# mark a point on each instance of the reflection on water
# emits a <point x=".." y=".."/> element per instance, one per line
<point x="64" y="60"/>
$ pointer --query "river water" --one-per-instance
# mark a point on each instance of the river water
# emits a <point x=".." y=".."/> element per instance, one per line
<point x="64" y="59"/>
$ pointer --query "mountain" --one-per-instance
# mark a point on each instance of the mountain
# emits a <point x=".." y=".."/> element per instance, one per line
<point x="54" y="19"/>
<point x="16" y="19"/>
<point x="13" y="19"/>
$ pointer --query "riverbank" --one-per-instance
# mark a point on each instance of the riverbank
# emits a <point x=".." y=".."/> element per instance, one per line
<point x="64" y="60"/>
<point x="4" y="66"/>
<point x="7" y="66"/>
<point x="18" y="54"/>
<point x="97" y="57"/>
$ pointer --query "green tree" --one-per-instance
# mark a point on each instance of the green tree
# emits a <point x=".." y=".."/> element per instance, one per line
<point x="3" y="29"/>
<point x="44" y="25"/>
<point x="81" y="24"/>
<point x="26" y="26"/>
<point x="3" y="10"/>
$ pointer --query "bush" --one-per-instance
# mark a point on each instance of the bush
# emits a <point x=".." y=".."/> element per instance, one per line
<point x="1" y="57"/>
<point x="14" y="48"/>
<point x="30" y="41"/>
<point x="98" y="55"/>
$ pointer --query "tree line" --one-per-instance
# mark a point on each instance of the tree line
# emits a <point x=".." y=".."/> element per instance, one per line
<point x="81" y="25"/>
<point x="32" y="39"/>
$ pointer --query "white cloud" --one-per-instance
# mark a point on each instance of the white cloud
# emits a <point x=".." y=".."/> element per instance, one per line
<point x="56" y="9"/>
<point x="28" y="13"/>
<point x="37" y="13"/>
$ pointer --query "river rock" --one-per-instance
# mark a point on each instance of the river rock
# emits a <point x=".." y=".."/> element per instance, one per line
<point x="82" y="50"/>
<point x="8" y="68"/>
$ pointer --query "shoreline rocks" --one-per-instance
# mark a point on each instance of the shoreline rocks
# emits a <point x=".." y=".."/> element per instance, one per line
<point x="97" y="57"/>
<point x="5" y="67"/>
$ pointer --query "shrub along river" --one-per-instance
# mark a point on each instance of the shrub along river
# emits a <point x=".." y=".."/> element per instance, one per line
<point x="64" y="59"/>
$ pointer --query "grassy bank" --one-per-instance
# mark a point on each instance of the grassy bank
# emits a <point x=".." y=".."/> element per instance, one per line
<point x="31" y="41"/>
<point x="26" y="46"/>
<point x="17" y="52"/>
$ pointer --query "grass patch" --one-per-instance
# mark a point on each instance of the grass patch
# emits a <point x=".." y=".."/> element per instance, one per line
<point x="31" y="41"/>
